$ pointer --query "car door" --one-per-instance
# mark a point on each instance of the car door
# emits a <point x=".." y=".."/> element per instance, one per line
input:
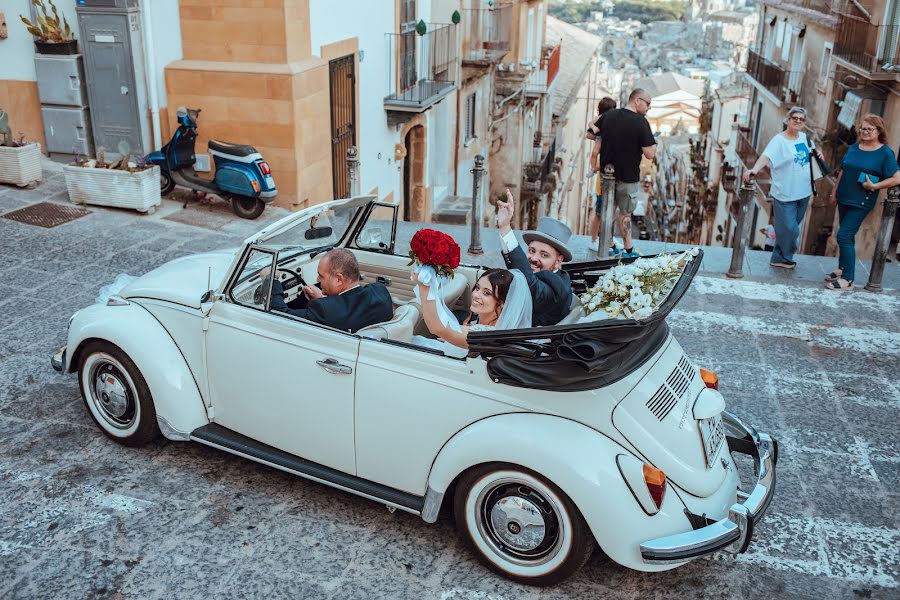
<point x="279" y="380"/>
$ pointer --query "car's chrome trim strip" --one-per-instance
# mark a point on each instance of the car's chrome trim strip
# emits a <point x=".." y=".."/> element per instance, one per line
<point x="216" y="436"/>
<point x="433" y="501"/>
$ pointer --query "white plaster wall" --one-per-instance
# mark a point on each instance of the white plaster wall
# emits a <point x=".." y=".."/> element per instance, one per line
<point x="17" y="51"/>
<point x="369" y="22"/>
<point x="166" y="24"/>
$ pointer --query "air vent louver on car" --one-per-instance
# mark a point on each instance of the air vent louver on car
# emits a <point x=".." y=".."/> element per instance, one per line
<point x="670" y="392"/>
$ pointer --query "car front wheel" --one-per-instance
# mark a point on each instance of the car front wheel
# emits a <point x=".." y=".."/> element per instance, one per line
<point x="521" y="525"/>
<point x="116" y="394"/>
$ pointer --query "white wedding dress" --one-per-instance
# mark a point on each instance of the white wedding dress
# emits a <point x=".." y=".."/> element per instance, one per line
<point x="515" y="314"/>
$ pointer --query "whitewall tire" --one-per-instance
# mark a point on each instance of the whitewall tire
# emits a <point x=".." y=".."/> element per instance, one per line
<point x="116" y="394"/>
<point x="520" y="525"/>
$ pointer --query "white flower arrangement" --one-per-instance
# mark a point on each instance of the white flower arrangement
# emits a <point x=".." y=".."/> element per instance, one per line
<point x="635" y="291"/>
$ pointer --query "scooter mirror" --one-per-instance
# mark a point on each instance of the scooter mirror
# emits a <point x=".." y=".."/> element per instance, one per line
<point x="318" y="233"/>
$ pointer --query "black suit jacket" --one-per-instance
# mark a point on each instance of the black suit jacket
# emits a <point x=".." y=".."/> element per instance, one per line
<point x="551" y="292"/>
<point x="351" y="311"/>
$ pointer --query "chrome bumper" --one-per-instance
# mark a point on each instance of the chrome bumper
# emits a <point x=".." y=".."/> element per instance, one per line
<point x="734" y="532"/>
<point x="58" y="360"/>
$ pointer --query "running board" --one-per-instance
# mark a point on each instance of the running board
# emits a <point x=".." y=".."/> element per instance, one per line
<point x="230" y="441"/>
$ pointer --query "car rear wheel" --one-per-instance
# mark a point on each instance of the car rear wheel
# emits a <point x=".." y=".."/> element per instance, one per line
<point x="246" y="207"/>
<point x="116" y="394"/>
<point x="520" y="525"/>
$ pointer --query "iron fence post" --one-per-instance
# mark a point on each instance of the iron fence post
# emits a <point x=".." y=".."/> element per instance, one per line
<point x="879" y="257"/>
<point x="742" y="231"/>
<point x="475" y="218"/>
<point x="353" y="171"/>
<point x="608" y="193"/>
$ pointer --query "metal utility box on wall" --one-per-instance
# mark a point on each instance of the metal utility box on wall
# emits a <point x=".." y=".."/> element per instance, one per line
<point x="113" y="46"/>
<point x="64" y="100"/>
<point x="67" y="130"/>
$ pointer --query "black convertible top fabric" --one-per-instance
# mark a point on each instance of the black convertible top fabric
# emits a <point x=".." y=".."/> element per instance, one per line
<point x="581" y="361"/>
<point x="578" y="356"/>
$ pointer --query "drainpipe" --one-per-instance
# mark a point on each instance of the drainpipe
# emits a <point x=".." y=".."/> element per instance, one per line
<point x="151" y="74"/>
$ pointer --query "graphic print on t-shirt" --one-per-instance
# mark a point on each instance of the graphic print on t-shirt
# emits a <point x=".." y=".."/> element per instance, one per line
<point x="801" y="154"/>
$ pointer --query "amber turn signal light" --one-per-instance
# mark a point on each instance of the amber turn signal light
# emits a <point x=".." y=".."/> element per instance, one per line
<point x="710" y="379"/>
<point x="656" y="484"/>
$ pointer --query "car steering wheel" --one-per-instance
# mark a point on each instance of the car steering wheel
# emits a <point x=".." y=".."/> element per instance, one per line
<point x="292" y="280"/>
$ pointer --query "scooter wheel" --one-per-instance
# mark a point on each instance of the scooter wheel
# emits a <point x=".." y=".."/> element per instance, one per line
<point x="247" y="208"/>
<point x="166" y="183"/>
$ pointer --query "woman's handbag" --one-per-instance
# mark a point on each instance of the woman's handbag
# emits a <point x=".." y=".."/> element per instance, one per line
<point x="818" y="168"/>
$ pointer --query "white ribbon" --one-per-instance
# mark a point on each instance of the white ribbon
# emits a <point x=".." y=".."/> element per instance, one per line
<point x="428" y="277"/>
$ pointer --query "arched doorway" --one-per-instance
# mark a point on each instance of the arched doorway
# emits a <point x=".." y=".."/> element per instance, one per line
<point x="414" y="175"/>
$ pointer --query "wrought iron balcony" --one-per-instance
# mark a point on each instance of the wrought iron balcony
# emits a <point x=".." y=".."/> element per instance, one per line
<point x="538" y="82"/>
<point x="784" y="85"/>
<point x="421" y="68"/>
<point x="822" y="6"/>
<point x="486" y="34"/>
<point x="871" y="49"/>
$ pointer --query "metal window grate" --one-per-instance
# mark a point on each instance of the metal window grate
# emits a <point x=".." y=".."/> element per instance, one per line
<point x="674" y="388"/>
<point x="46" y="214"/>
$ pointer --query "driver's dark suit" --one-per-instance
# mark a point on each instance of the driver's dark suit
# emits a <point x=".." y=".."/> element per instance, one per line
<point x="348" y="311"/>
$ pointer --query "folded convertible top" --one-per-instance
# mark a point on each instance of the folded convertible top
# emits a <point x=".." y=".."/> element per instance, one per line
<point x="578" y="356"/>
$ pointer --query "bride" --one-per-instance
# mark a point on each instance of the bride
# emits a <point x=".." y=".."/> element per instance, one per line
<point x="500" y="300"/>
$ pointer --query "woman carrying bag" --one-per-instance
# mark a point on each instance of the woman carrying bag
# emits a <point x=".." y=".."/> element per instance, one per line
<point x="868" y="166"/>
<point x="788" y="157"/>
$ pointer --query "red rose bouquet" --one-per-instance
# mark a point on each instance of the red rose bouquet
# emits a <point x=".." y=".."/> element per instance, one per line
<point x="434" y="249"/>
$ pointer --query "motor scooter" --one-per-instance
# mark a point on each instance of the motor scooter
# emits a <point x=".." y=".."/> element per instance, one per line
<point x="242" y="175"/>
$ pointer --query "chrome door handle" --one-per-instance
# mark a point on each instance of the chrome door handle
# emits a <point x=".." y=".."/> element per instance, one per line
<point x="333" y="366"/>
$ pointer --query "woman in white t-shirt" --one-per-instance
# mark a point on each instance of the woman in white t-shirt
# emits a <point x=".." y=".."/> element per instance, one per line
<point x="787" y="155"/>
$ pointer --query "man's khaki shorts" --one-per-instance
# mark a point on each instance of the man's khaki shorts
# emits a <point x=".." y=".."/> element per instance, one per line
<point x="627" y="196"/>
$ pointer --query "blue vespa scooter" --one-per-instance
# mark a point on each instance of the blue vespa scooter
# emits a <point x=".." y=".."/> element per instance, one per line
<point x="242" y="175"/>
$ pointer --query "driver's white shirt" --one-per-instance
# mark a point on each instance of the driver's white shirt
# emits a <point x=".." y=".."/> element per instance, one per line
<point x="348" y="289"/>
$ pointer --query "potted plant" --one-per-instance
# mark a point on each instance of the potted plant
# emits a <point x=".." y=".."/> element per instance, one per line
<point x="20" y="161"/>
<point x="121" y="183"/>
<point x="53" y="36"/>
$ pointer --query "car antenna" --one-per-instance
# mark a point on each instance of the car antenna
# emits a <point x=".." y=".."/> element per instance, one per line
<point x="209" y="278"/>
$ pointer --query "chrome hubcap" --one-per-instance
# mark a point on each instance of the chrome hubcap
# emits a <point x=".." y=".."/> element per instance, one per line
<point x="112" y="395"/>
<point x="519" y="522"/>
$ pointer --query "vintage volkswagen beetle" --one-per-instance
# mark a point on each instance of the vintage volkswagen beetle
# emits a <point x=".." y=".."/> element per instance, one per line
<point x="543" y="442"/>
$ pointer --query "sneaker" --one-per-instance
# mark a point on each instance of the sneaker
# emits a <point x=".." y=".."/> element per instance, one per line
<point x="615" y="251"/>
<point x="631" y="254"/>
<point x="785" y="264"/>
<point x="594" y="245"/>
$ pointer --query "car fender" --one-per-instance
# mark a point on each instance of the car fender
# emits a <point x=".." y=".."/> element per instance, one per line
<point x="179" y="406"/>
<point x="580" y="461"/>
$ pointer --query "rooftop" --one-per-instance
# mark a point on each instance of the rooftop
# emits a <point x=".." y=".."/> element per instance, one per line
<point x="578" y="47"/>
<point x="667" y="83"/>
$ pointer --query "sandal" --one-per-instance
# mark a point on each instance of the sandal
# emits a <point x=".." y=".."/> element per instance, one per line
<point x="837" y="286"/>
<point x="832" y="276"/>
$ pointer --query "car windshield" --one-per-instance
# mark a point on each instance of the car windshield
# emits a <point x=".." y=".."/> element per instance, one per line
<point x="321" y="230"/>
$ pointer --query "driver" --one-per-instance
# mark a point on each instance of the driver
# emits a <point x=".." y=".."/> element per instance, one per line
<point x="341" y="302"/>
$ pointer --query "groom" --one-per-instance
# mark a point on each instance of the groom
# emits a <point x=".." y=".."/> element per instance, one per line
<point x="551" y="288"/>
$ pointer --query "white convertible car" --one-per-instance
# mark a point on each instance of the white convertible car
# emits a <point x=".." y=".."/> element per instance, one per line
<point x="545" y="443"/>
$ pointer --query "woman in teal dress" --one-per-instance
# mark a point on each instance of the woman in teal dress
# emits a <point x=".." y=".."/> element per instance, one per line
<point x="868" y="166"/>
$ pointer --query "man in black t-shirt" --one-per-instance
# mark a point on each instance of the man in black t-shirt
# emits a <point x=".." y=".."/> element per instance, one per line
<point x="625" y="137"/>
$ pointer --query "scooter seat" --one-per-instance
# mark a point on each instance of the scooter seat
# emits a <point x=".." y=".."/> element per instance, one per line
<point x="229" y="148"/>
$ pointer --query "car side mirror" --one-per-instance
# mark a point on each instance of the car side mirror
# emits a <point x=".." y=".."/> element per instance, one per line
<point x="317" y="233"/>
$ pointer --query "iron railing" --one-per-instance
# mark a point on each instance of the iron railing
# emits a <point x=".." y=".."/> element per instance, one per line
<point x="748" y="154"/>
<point x="486" y="33"/>
<point x="421" y="68"/>
<point x="539" y="81"/>
<point x="822" y="6"/>
<point x="770" y="75"/>
<point x="874" y="48"/>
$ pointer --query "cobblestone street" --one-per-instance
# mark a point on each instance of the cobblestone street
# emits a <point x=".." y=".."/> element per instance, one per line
<point x="84" y="517"/>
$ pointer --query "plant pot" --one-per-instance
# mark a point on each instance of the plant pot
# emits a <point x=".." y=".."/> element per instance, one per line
<point x="67" y="47"/>
<point x="111" y="187"/>
<point x="20" y="166"/>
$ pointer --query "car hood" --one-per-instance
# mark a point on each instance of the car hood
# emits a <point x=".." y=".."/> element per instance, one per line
<point x="183" y="280"/>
